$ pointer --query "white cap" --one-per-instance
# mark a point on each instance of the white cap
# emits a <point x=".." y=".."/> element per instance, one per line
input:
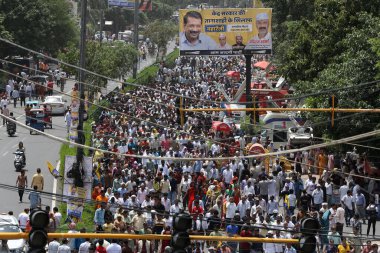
<point x="262" y="16"/>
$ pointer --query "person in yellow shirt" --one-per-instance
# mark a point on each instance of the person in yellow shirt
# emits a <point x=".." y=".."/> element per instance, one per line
<point x="38" y="180"/>
<point x="344" y="247"/>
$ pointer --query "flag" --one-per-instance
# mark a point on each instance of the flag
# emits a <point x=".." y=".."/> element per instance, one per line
<point x="53" y="170"/>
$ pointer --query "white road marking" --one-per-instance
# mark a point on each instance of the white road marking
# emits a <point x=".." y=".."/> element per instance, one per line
<point x="5" y="153"/>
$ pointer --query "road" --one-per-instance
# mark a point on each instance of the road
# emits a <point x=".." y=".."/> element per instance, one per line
<point x="39" y="150"/>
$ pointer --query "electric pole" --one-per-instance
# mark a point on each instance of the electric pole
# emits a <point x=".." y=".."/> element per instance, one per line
<point x="136" y="37"/>
<point x="78" y="180"/>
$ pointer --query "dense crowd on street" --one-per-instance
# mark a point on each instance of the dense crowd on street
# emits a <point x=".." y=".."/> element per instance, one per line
<point x="231" y="197"/>
<point x="224" y="197"/>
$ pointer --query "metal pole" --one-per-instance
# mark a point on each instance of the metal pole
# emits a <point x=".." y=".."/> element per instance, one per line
<point x="9" y="235"/>
<point x="332" y="111"/>
<point x="181" y="112"/>
<point x="78" y="181"/>
<point x="248" y="78"/>
<point x="101" y="26"/>
<point x="136" y="37"/>
<point x="348" y="110"/>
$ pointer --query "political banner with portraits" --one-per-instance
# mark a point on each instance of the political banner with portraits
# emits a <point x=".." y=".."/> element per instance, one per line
<point x="230" y="31"/>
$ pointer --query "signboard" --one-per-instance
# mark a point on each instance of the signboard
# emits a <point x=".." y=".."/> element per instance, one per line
<point x="225" y="31"/>
<point x="129" y="4"/>
<point x="144" y="5"/>
<point x="68" y="187"/>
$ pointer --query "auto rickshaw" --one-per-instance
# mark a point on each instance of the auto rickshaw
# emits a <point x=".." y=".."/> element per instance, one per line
<point x="37" y="120"/>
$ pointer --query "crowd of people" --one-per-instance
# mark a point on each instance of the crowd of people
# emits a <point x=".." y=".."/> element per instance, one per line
<point x="225" y="197"/>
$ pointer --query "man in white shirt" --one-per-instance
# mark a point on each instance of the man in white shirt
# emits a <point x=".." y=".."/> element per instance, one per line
<point x="64" y="248"/>
<point x="230" y="209"/>
<point x="84" y="247"/>
<point x="343" y="190"/>
<point x="227" y="176"/>
<point x="165" y="201"/>
<point x="249" y="188"/>
<point x="269" y="247"/>
<point x="57" y="216"/>
<point x="175" y="208"/>
<point x="348" y="204"/>
<point x="141" y="193"/>
<point x="329" y="191"/>
<point x="53" y="246"/>
<point x="114" y="247"/>
<point x="23" y="219"/>
<point x="317" y="195"/>
<point x="243" y="206"/>
<point x="339" y="218"/>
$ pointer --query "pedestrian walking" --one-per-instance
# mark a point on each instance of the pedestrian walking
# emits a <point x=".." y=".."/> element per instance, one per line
<point x="15" y="96"/>
<point x="360" y="204"/>
<point x="23" y="219"/>
<point x="34" y="198"/>
<point x="29" y="91"/>
<point x="22" y="95"/>
<point x="64" y="248"/>
<point x="68" y="120"/>
<point x="372" y="217"/>
<point x="5" y="113"/>
<point x="21" y="183"/>
<point x="38" y="180"/>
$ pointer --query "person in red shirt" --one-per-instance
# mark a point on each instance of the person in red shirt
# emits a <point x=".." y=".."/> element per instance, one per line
<point x="197" y="209"/>
<point x="50" y="86"/>
<point x="245" y="247"/>
<point x="100" y="248"/>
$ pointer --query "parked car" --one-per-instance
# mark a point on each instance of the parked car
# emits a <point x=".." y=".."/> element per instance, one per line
<point x="57" y="104"/>
<point x="9" y="224"/>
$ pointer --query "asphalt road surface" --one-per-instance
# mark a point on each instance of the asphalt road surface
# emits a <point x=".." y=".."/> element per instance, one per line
<point x="39" y="150"/>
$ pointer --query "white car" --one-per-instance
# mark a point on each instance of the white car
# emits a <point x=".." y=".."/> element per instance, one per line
<point x="8" y="224"/>
<point x="57" y="103"/>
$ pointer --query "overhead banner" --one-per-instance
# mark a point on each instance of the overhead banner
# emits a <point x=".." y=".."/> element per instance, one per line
<point x="225" y="31"/>
<point x="129" y="4"/>
<point x="144" y="5"/>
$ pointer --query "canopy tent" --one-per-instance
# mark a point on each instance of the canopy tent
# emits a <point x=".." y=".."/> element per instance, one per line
<point x="256" y="149"/>
<point x="233" y="74"/>
<point x="220" y="126"/>
<point x="262" y="64"/>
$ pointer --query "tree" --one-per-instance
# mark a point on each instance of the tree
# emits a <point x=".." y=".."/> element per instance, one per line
<point x="161" y="32"/>
<point x="42" y="25"/>
<point x="353" y="66"/>
<point x="113" y="60"/>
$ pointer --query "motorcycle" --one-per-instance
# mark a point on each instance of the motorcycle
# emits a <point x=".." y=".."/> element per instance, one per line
<point x="19" y="161"/>
<point x="11" y="129"/>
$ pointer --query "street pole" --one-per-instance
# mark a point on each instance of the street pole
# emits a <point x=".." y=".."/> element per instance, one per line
<point x="248" y="78"/>
<point x="136" y="37"/>
<point x="78" y="181"/>
<point x="101" y="26"/>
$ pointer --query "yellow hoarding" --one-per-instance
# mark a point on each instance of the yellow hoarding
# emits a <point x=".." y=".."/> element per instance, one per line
<point x="225" y="31"/>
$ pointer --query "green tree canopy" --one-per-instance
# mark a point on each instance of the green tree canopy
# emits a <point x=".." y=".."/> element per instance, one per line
<point x="160" y="32"/>
<point x="112" y="60"/>
<point x="42" y="25"/>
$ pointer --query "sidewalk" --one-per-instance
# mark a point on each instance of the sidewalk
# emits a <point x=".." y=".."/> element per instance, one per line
<point x="111" y="85"/>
